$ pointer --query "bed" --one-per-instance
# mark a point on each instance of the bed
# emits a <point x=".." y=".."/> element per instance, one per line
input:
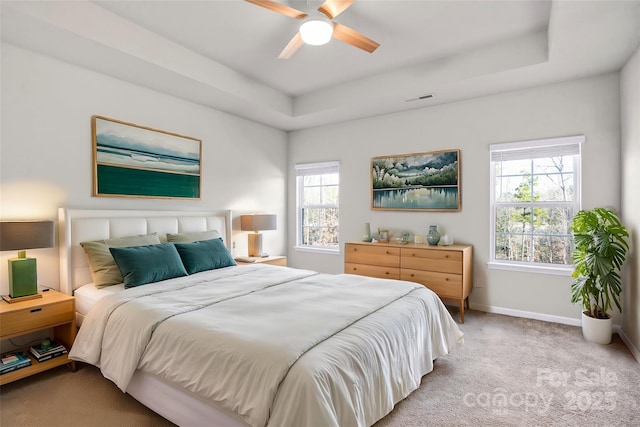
<point x="250" y="345"/>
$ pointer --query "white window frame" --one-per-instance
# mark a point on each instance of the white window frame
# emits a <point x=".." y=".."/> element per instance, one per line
<point x="529" y="149"/>
<point x="306" y="169"/>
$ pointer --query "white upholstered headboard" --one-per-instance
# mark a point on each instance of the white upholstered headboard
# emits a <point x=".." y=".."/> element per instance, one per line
<point x="80" y="225"/>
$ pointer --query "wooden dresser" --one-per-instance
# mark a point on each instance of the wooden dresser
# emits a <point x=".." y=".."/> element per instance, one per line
<point x="446" y="270"/>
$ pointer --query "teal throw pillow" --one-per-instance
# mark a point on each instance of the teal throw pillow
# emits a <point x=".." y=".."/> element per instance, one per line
<point x="140" y="265"/>
<point x="204" y="255"/>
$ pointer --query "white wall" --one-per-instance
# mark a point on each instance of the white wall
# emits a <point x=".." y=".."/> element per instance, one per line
<point x="46" y="150"/>
<point x="46" y="161"/>
<point x="630" y="115"/>
<point x="589" y="107"/>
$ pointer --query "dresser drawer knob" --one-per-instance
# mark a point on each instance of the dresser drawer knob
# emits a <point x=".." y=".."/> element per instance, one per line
<point x="387" y="252"/>
<point x="36" y="309"/>
<point x="412" y="275"/>
<point x="446" y="256"/>
<point x="446" y="279"/>
<point x="413" y="254"/>
<point x="386" y="272"/>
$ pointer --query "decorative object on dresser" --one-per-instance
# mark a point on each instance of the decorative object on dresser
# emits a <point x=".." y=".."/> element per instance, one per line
<point x="366" y="234"/>
<point x="55" y="311"/>
<point x="257" y="223"/>
<point x="23" y="272"/>
<point x="433" y="236"/>
<point x="418" y="182"/>
<point x="446" y="240"/>
<point x="138" y="161"/>
<point x="383" y="235"/>
<point x="446" y="270"/>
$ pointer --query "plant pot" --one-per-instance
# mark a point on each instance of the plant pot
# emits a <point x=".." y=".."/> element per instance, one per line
<point x="597" y="330"/>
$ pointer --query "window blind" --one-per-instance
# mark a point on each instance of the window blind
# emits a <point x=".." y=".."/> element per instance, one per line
<point x="306" y="169"/>
<point x="552" y="147"/>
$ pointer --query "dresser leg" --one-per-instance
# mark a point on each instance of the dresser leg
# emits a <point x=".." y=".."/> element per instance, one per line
<point x="461" y="304"/>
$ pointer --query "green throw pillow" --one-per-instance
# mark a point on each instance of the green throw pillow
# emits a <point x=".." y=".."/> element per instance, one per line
<point x="104" y="270"/>
<point x="140" y="265"/>
<point x="194" y="236"/>
<point x="204" y="255"/>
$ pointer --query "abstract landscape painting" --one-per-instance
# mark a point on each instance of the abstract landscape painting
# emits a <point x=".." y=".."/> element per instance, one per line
<point x="420" y="182"/>
<point x="136" y="161"/>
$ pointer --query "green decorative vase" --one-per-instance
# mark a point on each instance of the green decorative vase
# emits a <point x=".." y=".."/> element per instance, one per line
<point x="433" y="236"/>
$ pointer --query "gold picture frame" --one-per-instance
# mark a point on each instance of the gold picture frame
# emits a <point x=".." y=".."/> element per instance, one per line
<point x="383" y="235"/>
<point x="428" y="181"/>
<point x="137" y="161"/>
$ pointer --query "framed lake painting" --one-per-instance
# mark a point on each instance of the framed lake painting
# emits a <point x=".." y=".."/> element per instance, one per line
<point x="137" y="161"/>
<point x="417" y="182"/>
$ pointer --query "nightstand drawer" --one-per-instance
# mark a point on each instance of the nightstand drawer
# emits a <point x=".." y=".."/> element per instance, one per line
<point x="445" y="285"/>
<point x="36" y="317"/>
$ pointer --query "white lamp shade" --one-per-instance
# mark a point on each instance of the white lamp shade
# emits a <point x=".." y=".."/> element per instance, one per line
<point x="316" y="32"/>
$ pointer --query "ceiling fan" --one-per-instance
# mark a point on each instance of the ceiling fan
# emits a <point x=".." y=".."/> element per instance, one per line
<point x="319" y="29"/>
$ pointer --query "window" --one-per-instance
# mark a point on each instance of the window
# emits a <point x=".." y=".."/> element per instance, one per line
<point x="535" y="192"/>
<point x="318" y="186"/>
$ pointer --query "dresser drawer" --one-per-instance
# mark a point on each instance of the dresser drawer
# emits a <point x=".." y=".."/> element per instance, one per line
<point x="444" y="261"/>
<point x="369" y="254"/>
<point x="443" y="284"/>
<point x="36" y="317"/>
<point x="372" y="270"/>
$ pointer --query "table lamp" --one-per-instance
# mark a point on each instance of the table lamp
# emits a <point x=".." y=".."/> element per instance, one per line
<point x="257" y="223"/>
<point x="22" y="235"/>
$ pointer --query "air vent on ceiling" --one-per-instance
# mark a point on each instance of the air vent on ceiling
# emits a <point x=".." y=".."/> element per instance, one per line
<point x="419" y="98"/>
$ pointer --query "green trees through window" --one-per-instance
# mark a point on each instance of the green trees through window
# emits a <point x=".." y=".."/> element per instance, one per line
<point x="535" y="195"/>
<point x="318" y="188"/>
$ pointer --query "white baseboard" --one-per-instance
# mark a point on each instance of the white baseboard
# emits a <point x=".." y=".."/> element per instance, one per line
<point x="556" y="319"/>
<point x="632" y="348"/>
<point x="526" y="314"/>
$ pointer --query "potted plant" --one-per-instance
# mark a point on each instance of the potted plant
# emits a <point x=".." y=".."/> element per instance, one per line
<point x="600" y="249"/>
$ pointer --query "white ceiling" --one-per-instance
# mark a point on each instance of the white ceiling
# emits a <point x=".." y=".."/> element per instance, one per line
<point x="223" y="53"/>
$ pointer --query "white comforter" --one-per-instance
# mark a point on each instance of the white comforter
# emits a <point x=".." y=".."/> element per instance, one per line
<point x="273" y="345"/>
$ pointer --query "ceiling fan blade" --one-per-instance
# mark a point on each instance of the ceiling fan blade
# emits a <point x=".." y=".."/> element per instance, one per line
<point x="354" y="38"/>
<point x="333" y="8"/>
<point x="294" y="44"/>
<point x="279" y="8"/>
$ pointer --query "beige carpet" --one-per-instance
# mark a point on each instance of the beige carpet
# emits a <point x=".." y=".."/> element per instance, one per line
<point x="509" y="372"/>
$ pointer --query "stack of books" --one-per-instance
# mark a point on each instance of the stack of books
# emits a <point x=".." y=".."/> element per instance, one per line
<point x="47" y="349"/>
<point x="13" y="361"/>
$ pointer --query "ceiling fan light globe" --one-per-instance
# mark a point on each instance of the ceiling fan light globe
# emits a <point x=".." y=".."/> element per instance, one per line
<point x="316" y="32"/>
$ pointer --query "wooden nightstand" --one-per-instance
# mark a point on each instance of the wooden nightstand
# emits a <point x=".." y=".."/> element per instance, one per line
<point x="273" y="260"/>
<point x="54" y="310"/>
